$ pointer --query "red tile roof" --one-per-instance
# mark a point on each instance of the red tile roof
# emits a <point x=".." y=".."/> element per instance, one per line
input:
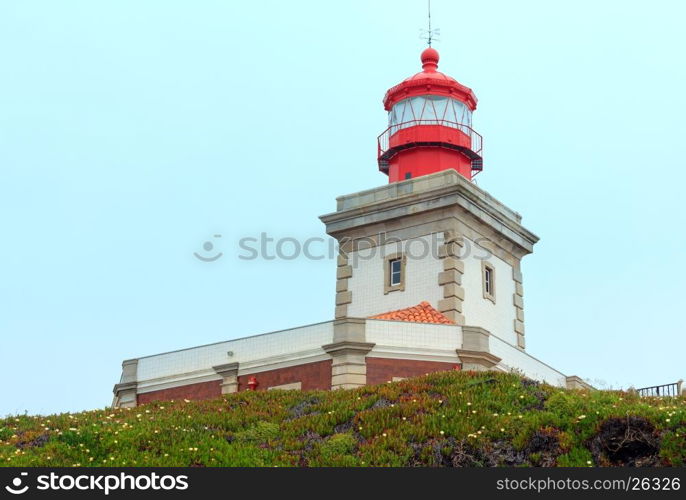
<point x="421" y="313"/>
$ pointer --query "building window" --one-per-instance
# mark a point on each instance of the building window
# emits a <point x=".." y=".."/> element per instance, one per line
<point x="408" y="175"/>
<point x="488" y="278"/>
<point x="394" y="273"/>
<point x="396" y="267"/>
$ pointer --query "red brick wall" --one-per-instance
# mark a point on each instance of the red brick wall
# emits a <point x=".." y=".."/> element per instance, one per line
<point x="201" y="390"/>
<point x="381" y="370"/>
<point x="311" y="375"/>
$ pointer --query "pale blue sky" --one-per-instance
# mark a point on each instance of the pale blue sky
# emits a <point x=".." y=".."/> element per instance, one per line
<point x="130" y="132"/>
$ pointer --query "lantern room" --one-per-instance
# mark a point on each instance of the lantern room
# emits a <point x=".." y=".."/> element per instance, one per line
<point x="429" y="126"/>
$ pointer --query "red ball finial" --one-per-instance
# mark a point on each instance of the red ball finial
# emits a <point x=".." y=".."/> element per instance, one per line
<point x="429" y="60"/>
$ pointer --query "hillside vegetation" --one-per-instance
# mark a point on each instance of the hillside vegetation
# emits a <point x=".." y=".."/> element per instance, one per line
<point x="454" y="419"/>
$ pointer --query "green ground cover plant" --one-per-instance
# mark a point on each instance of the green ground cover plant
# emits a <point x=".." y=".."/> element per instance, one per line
<point x="448" y="419"/>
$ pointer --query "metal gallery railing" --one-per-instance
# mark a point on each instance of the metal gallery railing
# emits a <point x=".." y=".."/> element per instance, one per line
<point x="673" y="389"/>
<point x="385" y="136"/>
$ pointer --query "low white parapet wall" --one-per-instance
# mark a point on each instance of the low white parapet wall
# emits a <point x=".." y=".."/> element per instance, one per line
<point x="389" y="339"/>
<point x="414" y="335"/>
<point x="513" y="358"/>
<point x="265" y="350"/>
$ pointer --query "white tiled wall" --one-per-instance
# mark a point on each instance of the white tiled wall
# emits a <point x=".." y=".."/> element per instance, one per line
<point x="417" y="335"/>
<point x="497" y="318"/>
<point x="511" y="357"/>
<point x="367" y="282"/>
<point x="203" y="358"/>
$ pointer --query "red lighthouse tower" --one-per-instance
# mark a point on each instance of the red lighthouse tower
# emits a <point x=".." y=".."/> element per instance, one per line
<point x="429" y="126"/>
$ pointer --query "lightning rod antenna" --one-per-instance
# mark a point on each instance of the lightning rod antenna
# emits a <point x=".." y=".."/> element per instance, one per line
<point x="430" y="35"/>
<point x="429" y="8"/>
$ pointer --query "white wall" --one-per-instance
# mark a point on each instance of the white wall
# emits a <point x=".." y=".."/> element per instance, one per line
<point x="367" y="282"/>
<point x="511" y="357"/>
<point x="497" y="318"/>
<point x="414" y="335"/>
<point x="197" y="362"/>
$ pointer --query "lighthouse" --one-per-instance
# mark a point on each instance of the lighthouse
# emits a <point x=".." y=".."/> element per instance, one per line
<point x="429" y="126"/>
<point x="431" y="235"/>
<point x="428" y="277"/>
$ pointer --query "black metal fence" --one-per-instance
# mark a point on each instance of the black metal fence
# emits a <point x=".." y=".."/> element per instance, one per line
<point x="661" y="390"/>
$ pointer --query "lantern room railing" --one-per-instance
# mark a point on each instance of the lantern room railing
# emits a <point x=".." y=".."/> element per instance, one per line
<point x="384" y="139"/>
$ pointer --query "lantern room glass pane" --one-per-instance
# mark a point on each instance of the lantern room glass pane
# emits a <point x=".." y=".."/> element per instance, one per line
<point x="397" y="115"/>
<point x="440" y="105"/>
<point x="392" y="116"/>
<point x="417" y="107"/>
<point x="400" y="107"/>
<point x="429" y="109"/>
<point x="463" y="114"/>
<point x="450" y="112"/>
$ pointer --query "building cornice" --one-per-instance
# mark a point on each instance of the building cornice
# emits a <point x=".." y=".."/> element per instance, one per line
<point x="424" y="194"/>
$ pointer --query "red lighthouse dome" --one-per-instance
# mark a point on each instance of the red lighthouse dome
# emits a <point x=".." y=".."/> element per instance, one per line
<point x="429" y="126"/>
